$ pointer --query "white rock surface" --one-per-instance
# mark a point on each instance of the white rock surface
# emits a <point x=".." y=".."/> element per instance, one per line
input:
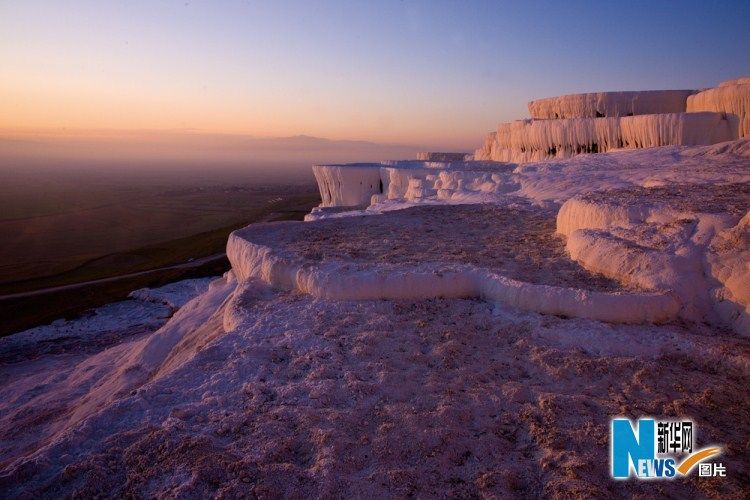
<point x="564" y="126"/>
<point x="147" y="310"/>
<point x="525" y="141"/>
<point x="692" y="242"/>
<point x="428" y="355"/>
<point x="589" y="225"/>
<point x="554" y="181"/>
<point x="258" y="390"/>
<point x="173" y="295"/>
<point x="263" y="389"/>
<point x="732" y="97"/>
<point x="349" y="185"/>
<point x="610" y="104"/>
<point x="737" y="81"/>
<point x="334" y="281"/>
<point x="729" y="263"/>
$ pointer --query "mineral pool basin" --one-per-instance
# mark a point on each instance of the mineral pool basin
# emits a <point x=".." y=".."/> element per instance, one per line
<point x="516" y="241"/>
<point x="730" y="198"/>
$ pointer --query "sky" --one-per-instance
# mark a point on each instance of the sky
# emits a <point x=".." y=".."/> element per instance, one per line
<point x="435" y="74"/>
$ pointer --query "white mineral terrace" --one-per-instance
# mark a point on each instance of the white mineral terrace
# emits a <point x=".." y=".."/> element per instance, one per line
<point x="732" y="98"/>
<point x="348" y="185"/>
<point x="517" y="308"/>
<point x="668" y="225"/>
<point x="562" y="127"/>
<point x="535" y="140"/>
<point x="360" y="258"/>
<point x="354" y="184"/>
<point x="609" y="104"/>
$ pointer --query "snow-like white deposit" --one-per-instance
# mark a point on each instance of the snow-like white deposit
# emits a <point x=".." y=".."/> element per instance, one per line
<point x="554" y="181"/>
<point x="731" y="97"/>
<point x="609" y="104"/>
<point x="173" y="295"/>
<point x="524" y="141"/>
<point x="349" y="185"/>
<point x="355" y="185"/>
<point x="251" y="391"/>
<point x="671" y="237"/>
<point x="146" y="310"/>
<point x="714" y="202"/>
<point x="272" y="253"/>
<point x="439" y="327"/>
<point x="564" y="126"/>
<point x="284" y="378"/>
<point x="737" y="81"/>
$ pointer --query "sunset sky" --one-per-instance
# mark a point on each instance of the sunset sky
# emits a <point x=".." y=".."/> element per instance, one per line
<point x="428" y="73"/>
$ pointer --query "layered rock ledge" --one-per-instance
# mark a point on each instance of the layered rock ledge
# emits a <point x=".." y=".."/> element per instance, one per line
<point x="504" y="254"/>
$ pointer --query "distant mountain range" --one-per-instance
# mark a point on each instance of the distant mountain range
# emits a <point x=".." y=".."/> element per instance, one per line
<point x="192" y="146"/>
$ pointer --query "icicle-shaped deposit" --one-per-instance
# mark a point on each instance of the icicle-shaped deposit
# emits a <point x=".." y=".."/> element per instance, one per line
<point x="729" y="97"/>
<point x="349" y="185"/>
<point x="610" y="104"/>
<point x="534" y="140"/>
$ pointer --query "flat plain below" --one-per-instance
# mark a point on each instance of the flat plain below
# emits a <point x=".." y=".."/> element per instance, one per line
<point x="63" y="228"/>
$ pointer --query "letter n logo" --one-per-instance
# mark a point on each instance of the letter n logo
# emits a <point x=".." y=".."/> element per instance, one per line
<point x="629" y="446"/>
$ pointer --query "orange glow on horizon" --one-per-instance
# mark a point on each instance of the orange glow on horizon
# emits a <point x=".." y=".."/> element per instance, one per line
<point x="33" y="107"/>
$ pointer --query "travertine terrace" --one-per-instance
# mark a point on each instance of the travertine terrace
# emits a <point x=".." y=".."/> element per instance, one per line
<point x="561" y="127"/>
<point x="438" y="327"/>
<point x="604" y="104"/>
<point x="655" y="214"/>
